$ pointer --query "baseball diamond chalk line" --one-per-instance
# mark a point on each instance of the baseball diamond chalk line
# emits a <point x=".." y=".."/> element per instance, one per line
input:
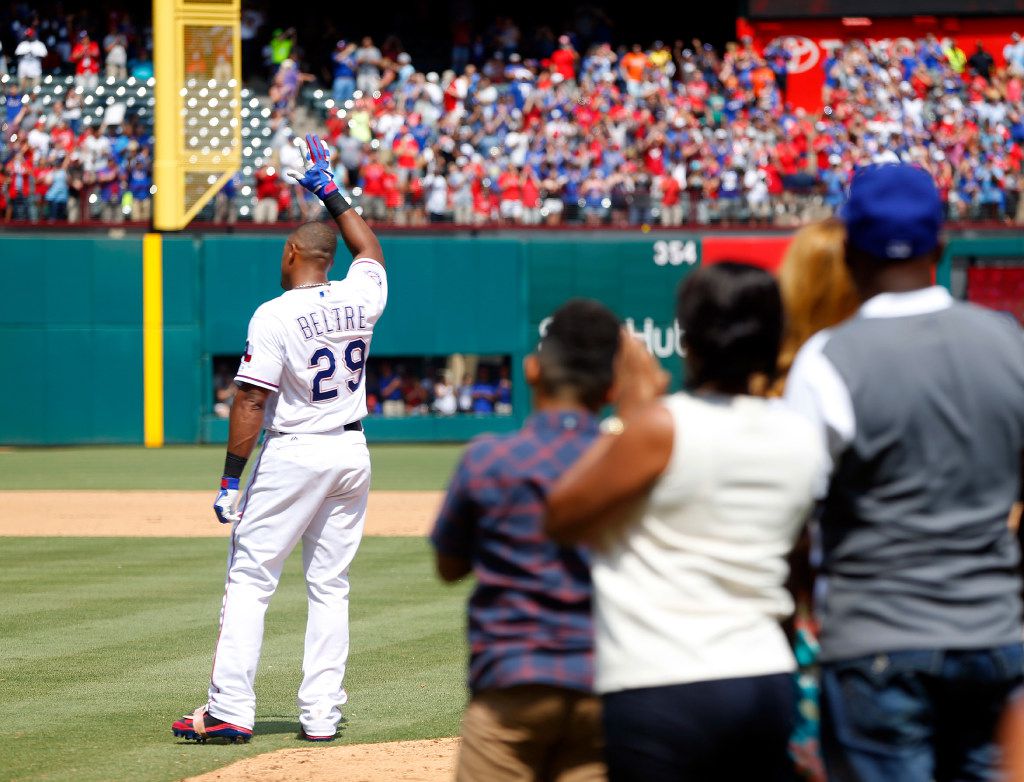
<point x="178" y="514"/>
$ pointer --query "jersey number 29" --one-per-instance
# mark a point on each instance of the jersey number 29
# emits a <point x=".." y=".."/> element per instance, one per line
<point x="355" y="360"/>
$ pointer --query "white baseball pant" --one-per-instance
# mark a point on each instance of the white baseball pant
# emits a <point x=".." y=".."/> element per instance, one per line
<point x="308" y="487"/>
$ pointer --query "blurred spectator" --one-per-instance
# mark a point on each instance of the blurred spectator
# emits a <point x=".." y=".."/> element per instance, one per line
<point x="981" y="62"/>
<point x="73" y="111"/>
<point x="373" y="189"/>
<point x="140" y="183"/>
<point x="78" y="181"/>
<point x="20" y="187"/>
<point x="445" y="402"/>
<point x="954" y="56"/>
<point x="634" y="66"/>
<point x="564" y="59"/>
<point x="57" y="192"/>
<point x="115" y="47"/>
<point x="224" y="209"/>
<point x="465" y="394"/>
<point x="281" y="45"/>
<point x="1013" y="53"/>
<point x="503" y="392"/>
<point x="30" y="53"/>
<point x="268" y="185"/>
<point x="368" y="62"/>
<point x="483" y="392"/>
<point x="392" y="396"/>
<point x="86" y="57"/>
<point x="224" y="389"/>
<point x="344" y="72"/>
<point x="415" y="397"/>
<point x="108" y="177"/>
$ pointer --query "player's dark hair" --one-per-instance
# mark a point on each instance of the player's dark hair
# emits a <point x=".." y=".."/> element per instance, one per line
<point x="577" y="352"/>
<point x="731" y="314"/>
<point x="316" y="239"/>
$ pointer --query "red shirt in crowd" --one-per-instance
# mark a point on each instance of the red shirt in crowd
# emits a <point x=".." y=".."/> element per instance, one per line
<point x="531" y="192"/>
<point x="335" y="127"/>
<point x="87" y="57"/>
<point x="392" y="195"/>
<point x="564" y="62"/>
<point x="654" y="161"/>
<point x="669" y="191"/>
<point x="267" y="183"/>
<point x="510" y="187"/>
<point x="486" y="204"/>
<point x="373" y="180"/>
<point x="19" y="173"/>
<point x="406" y="151"/>
<point x="63" y="138"/>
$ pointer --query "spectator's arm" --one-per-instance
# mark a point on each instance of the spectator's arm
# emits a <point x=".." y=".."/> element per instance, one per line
<point x="595" y="492"/>
<point x="455" y="528"/>
<point x="451" y="569"/>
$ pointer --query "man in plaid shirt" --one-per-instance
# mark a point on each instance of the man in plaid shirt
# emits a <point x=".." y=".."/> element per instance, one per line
<point x="532" y="714"/>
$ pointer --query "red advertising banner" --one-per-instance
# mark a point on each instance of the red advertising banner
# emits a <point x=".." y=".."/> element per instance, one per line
<point x="809" y="41"/>
<point x="1000" y="288"/>
<point x="765" y="251"/>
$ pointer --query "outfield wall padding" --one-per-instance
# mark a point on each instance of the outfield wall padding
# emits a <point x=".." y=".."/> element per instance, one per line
<point x="71" y="324"/>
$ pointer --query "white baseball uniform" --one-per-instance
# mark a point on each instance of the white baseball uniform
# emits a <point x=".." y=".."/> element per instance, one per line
<point x="310" y="483"/>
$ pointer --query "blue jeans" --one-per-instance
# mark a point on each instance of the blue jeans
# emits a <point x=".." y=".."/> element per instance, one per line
<point x="342" y="89"/>
<point x="917" y="716"/>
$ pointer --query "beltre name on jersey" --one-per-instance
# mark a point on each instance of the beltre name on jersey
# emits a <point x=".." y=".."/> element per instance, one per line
<point x="310" y="345"/>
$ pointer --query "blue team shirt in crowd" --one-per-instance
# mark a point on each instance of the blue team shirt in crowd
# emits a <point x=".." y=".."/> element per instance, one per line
<point x="345" y="67"/>
<point x="13" y="105"/>
<point x="529" y="614"/>
<point x="395" y="395"/>
<point x="139" y="183"/>
<point x="484" y="405"/>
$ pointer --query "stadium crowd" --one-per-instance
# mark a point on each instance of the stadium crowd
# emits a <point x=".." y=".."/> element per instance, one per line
<point x="396" y="389"/>
<point x="668" y="134"/>
<point x="57" y="164"/>
<point x="675" y="133"/>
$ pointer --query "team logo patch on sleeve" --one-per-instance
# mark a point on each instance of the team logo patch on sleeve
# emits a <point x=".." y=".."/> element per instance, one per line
<point x="375" y="277"/>
<point x="247" y="356"/>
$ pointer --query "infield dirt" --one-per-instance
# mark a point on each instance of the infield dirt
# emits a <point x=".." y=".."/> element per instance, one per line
<point x="182" y="514"/>
<point x="409" y="761"/>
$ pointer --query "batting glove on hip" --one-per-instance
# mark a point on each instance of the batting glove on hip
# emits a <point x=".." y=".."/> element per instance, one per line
<point x="318" y="177"/>
<point x="224" y="505"/>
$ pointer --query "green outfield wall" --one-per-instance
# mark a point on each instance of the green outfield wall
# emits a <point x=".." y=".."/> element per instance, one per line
<point x="72" y="319"/>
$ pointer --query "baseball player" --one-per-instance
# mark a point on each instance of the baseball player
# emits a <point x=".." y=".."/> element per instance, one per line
<point x="301" y="381"/>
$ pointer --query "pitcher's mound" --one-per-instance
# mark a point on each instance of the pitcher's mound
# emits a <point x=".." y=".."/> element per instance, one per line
<point x="431" y="760"/>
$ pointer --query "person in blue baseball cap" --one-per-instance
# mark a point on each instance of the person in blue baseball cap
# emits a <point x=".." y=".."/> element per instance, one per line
<point x="893" y="219"/>
<point x="920" y="402"/>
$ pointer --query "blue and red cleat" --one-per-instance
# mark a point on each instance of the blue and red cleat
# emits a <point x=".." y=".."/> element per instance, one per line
<point x="314" y="737"/>
<point x="200" y="726"/>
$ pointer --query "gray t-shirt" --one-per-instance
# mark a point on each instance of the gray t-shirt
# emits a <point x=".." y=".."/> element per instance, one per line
<point x="921" y="401"/>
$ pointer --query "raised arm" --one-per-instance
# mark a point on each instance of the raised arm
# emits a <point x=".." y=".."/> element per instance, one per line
<point x="319" y="180"/>
<point x="618" y="469"/>
<point x="360" y="239"/>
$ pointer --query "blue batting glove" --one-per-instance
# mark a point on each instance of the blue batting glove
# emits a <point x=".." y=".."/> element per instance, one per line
<point x="318" y="177"/>
<point x="224" y="505"/>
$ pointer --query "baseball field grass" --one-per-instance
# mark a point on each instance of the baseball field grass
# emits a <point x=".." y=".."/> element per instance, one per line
<point x="104" y="641"/>
<point x="395" y="467"/>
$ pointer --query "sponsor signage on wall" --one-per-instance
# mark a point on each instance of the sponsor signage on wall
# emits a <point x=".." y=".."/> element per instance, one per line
<point x="809" y="42"/>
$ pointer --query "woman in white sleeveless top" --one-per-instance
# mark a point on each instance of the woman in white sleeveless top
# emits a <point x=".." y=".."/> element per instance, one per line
<point x="693" y="502"/>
